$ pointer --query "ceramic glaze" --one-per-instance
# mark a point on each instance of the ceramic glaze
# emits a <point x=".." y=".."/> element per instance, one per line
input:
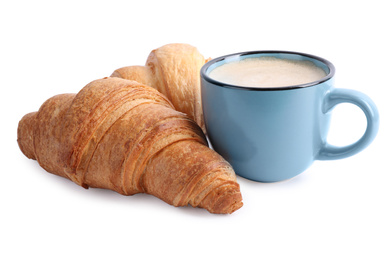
<point x="273" y="134"/>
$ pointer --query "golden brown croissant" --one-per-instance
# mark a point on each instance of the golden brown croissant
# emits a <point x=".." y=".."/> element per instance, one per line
<point x="174" y="70"/>
<point x="121" y="135"/>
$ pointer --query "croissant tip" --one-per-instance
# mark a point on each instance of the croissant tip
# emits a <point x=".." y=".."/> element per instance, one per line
<point x="25" y="135"/>
<point x="236" y="205"/>
<point x="227" y="203"/>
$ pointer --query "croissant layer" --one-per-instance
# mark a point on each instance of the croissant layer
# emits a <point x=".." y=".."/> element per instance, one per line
<point x="174" y="70"/>
<point x="124" y="136"/>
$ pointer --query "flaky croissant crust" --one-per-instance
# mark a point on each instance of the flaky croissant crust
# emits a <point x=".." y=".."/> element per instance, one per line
<point x="122" y="135"/>
<point x="174" y="70"/>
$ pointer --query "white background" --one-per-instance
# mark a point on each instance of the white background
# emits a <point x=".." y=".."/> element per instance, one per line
<point x="334" y="210"/>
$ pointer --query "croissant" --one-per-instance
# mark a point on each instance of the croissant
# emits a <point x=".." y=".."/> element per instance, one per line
<point x="174" y="70"/>
<point x="124" y="136"/>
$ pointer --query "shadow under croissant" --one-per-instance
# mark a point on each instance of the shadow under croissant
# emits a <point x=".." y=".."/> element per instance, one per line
<point x="120" y="135"/>
<point x="143" y="201"/>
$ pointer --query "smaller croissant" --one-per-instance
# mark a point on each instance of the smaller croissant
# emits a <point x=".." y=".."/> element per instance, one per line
<point x="121" y="135"/>
<point x="174" y="70"/>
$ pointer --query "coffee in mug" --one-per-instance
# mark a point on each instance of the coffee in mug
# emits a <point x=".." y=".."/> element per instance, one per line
<point x="268" y="72"/>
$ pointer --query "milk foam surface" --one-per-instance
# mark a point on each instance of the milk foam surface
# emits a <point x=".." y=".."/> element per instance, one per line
<point x="267" y="72"/>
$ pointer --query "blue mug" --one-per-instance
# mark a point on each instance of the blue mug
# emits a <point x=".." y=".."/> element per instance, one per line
<point x="274" y="134"/>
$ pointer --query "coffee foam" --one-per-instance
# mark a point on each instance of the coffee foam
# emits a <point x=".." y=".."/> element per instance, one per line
<point x="267" y="72"/>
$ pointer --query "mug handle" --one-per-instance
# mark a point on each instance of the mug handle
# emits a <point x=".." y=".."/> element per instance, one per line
<point x="337" y="96"/>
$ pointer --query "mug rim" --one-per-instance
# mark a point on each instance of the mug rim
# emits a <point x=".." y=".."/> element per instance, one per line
<point x="206" y="77"/>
